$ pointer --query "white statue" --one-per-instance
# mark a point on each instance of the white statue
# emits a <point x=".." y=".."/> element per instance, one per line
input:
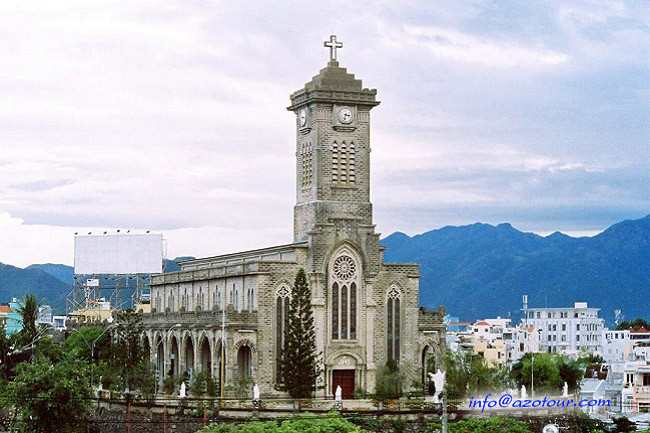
<point x="565" y="390"/>
<point x="256" y="392"/>
<point x="182" y="392"/>
<point x="438" y="380"/>
<point x="338" y="395"/>
<point x="100" y="388"/>
<point x="523" y="392"/>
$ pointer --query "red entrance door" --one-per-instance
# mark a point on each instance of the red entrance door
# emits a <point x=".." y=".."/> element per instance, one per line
<point x="344" y="379"/>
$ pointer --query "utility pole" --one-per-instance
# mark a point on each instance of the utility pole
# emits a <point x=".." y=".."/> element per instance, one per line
<point x="532" y="375"/>
<point x="445" y="420"/>
<point x="162" y="373"/>
<point x="222" y="378"/>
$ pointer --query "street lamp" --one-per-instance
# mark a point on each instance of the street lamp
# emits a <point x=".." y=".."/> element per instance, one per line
<point x="532" y="375"/>
<point x="156" y="349"/>
<point x="38" y="337"/>
<point x="92" y="348"/>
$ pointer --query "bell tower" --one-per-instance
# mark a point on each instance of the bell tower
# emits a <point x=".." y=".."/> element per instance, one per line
<point x="332" y="148"/>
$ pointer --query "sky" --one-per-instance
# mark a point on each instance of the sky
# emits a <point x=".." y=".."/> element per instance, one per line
<point x="171" y="116"/>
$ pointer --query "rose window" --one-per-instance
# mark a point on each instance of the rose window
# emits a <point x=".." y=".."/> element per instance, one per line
<point x="344" y="268"/>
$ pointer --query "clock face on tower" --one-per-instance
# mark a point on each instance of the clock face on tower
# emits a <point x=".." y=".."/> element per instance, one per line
<point x="302" y="117"/>
<point x="345" y="115"/>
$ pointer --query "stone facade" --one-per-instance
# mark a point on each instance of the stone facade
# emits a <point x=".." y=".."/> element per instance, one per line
<point x="366" y="311"/>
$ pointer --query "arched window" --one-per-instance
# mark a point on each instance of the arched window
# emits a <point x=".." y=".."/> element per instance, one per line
<point x="282" y="304"/>
<point x="335" y="311"/>
<point x="251" y="299"/>
<point x="217" y="299"/>
<point x="344" y="277"/>
<point x="393" y="323"/>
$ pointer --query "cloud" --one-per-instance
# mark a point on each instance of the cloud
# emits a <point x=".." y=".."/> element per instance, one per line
<point x="172" y="116"/>
<point x="26" y="244"/>
<point x="465" y="47"/>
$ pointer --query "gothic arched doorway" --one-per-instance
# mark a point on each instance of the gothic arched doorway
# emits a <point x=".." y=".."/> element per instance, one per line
<point x="147" y="349"/>
<point x="189" y="357"/>
<point x="220" y="372"/>
<point x="428" y="364"/>
<point x="160" y="358"/>
<point x="173" y="357"/>
<point x="244" y="362"/>
<point x="205" y="356"/>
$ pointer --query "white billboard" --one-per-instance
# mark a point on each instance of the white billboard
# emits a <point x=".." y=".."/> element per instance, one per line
<point x="118" y="254"/>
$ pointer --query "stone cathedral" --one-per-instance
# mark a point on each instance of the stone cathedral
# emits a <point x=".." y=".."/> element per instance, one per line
<point x="226" y="314"/>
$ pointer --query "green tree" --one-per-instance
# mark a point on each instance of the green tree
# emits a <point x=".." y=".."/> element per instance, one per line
<point x="550" y="372"/>
<point x="390" y="382"/>
<point x="485" y="378"/>
<point x="127" y="354"/>
<point x="5" y="348"/>
<point x="197" y="385"/>
<point x="586" y="358"/>
<point x="211" y="385"/>
<point x="47" y="348"/>
<point x="467" y="373"/>
<point x="299" y="361"/>
<point x="80" y="341"/>
<point x="52" y="397"/>
<point x="637" y="323"/>
<point x="457" y="370"/>
<point x="29" y="312"/>
<point x="570" y="371"/>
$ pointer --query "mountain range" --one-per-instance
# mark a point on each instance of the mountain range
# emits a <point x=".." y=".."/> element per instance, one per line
<point x="50" y="282"/>
<point x="481" y="271"/>
<point x="475" y="271"/>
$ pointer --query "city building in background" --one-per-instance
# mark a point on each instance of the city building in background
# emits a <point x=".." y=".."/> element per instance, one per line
<point x="567" y="330"/>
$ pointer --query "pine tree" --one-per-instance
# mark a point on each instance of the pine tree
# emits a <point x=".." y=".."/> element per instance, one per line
<point x="300" y="368"/>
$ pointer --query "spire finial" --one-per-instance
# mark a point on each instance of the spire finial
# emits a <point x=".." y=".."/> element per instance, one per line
<point x="333" y="44"/>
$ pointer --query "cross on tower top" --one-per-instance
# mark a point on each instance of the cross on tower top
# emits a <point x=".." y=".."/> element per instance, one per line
<point x="332" y="44"/>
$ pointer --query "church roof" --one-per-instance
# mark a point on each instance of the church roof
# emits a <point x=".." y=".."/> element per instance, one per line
<point x="333" y="77"/>
<point x="240" y="254"/>
<point x="334" y="84"/>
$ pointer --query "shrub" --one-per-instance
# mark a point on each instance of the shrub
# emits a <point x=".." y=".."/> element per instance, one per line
<point x="307" y="423"/>
<point x="211" y="386"/>
<point x="623" y="424"/>
<point x="52" y="398"/>
<point x="241" y="386"/>
<point x="360" y="393"/>
<point x="170" y="384"/>
<point x="197" y="385"/>
<point x="489" y="425"/>
<point x="389" y="382"/>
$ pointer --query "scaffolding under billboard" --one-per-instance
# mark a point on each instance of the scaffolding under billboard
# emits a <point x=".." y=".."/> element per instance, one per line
<point x="112" y="272"/>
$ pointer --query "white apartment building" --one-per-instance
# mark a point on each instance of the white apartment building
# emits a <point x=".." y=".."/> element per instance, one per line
<point x="519" y="341"/>
<point x="616" y="345"/>
<point x="567" y="330"/>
